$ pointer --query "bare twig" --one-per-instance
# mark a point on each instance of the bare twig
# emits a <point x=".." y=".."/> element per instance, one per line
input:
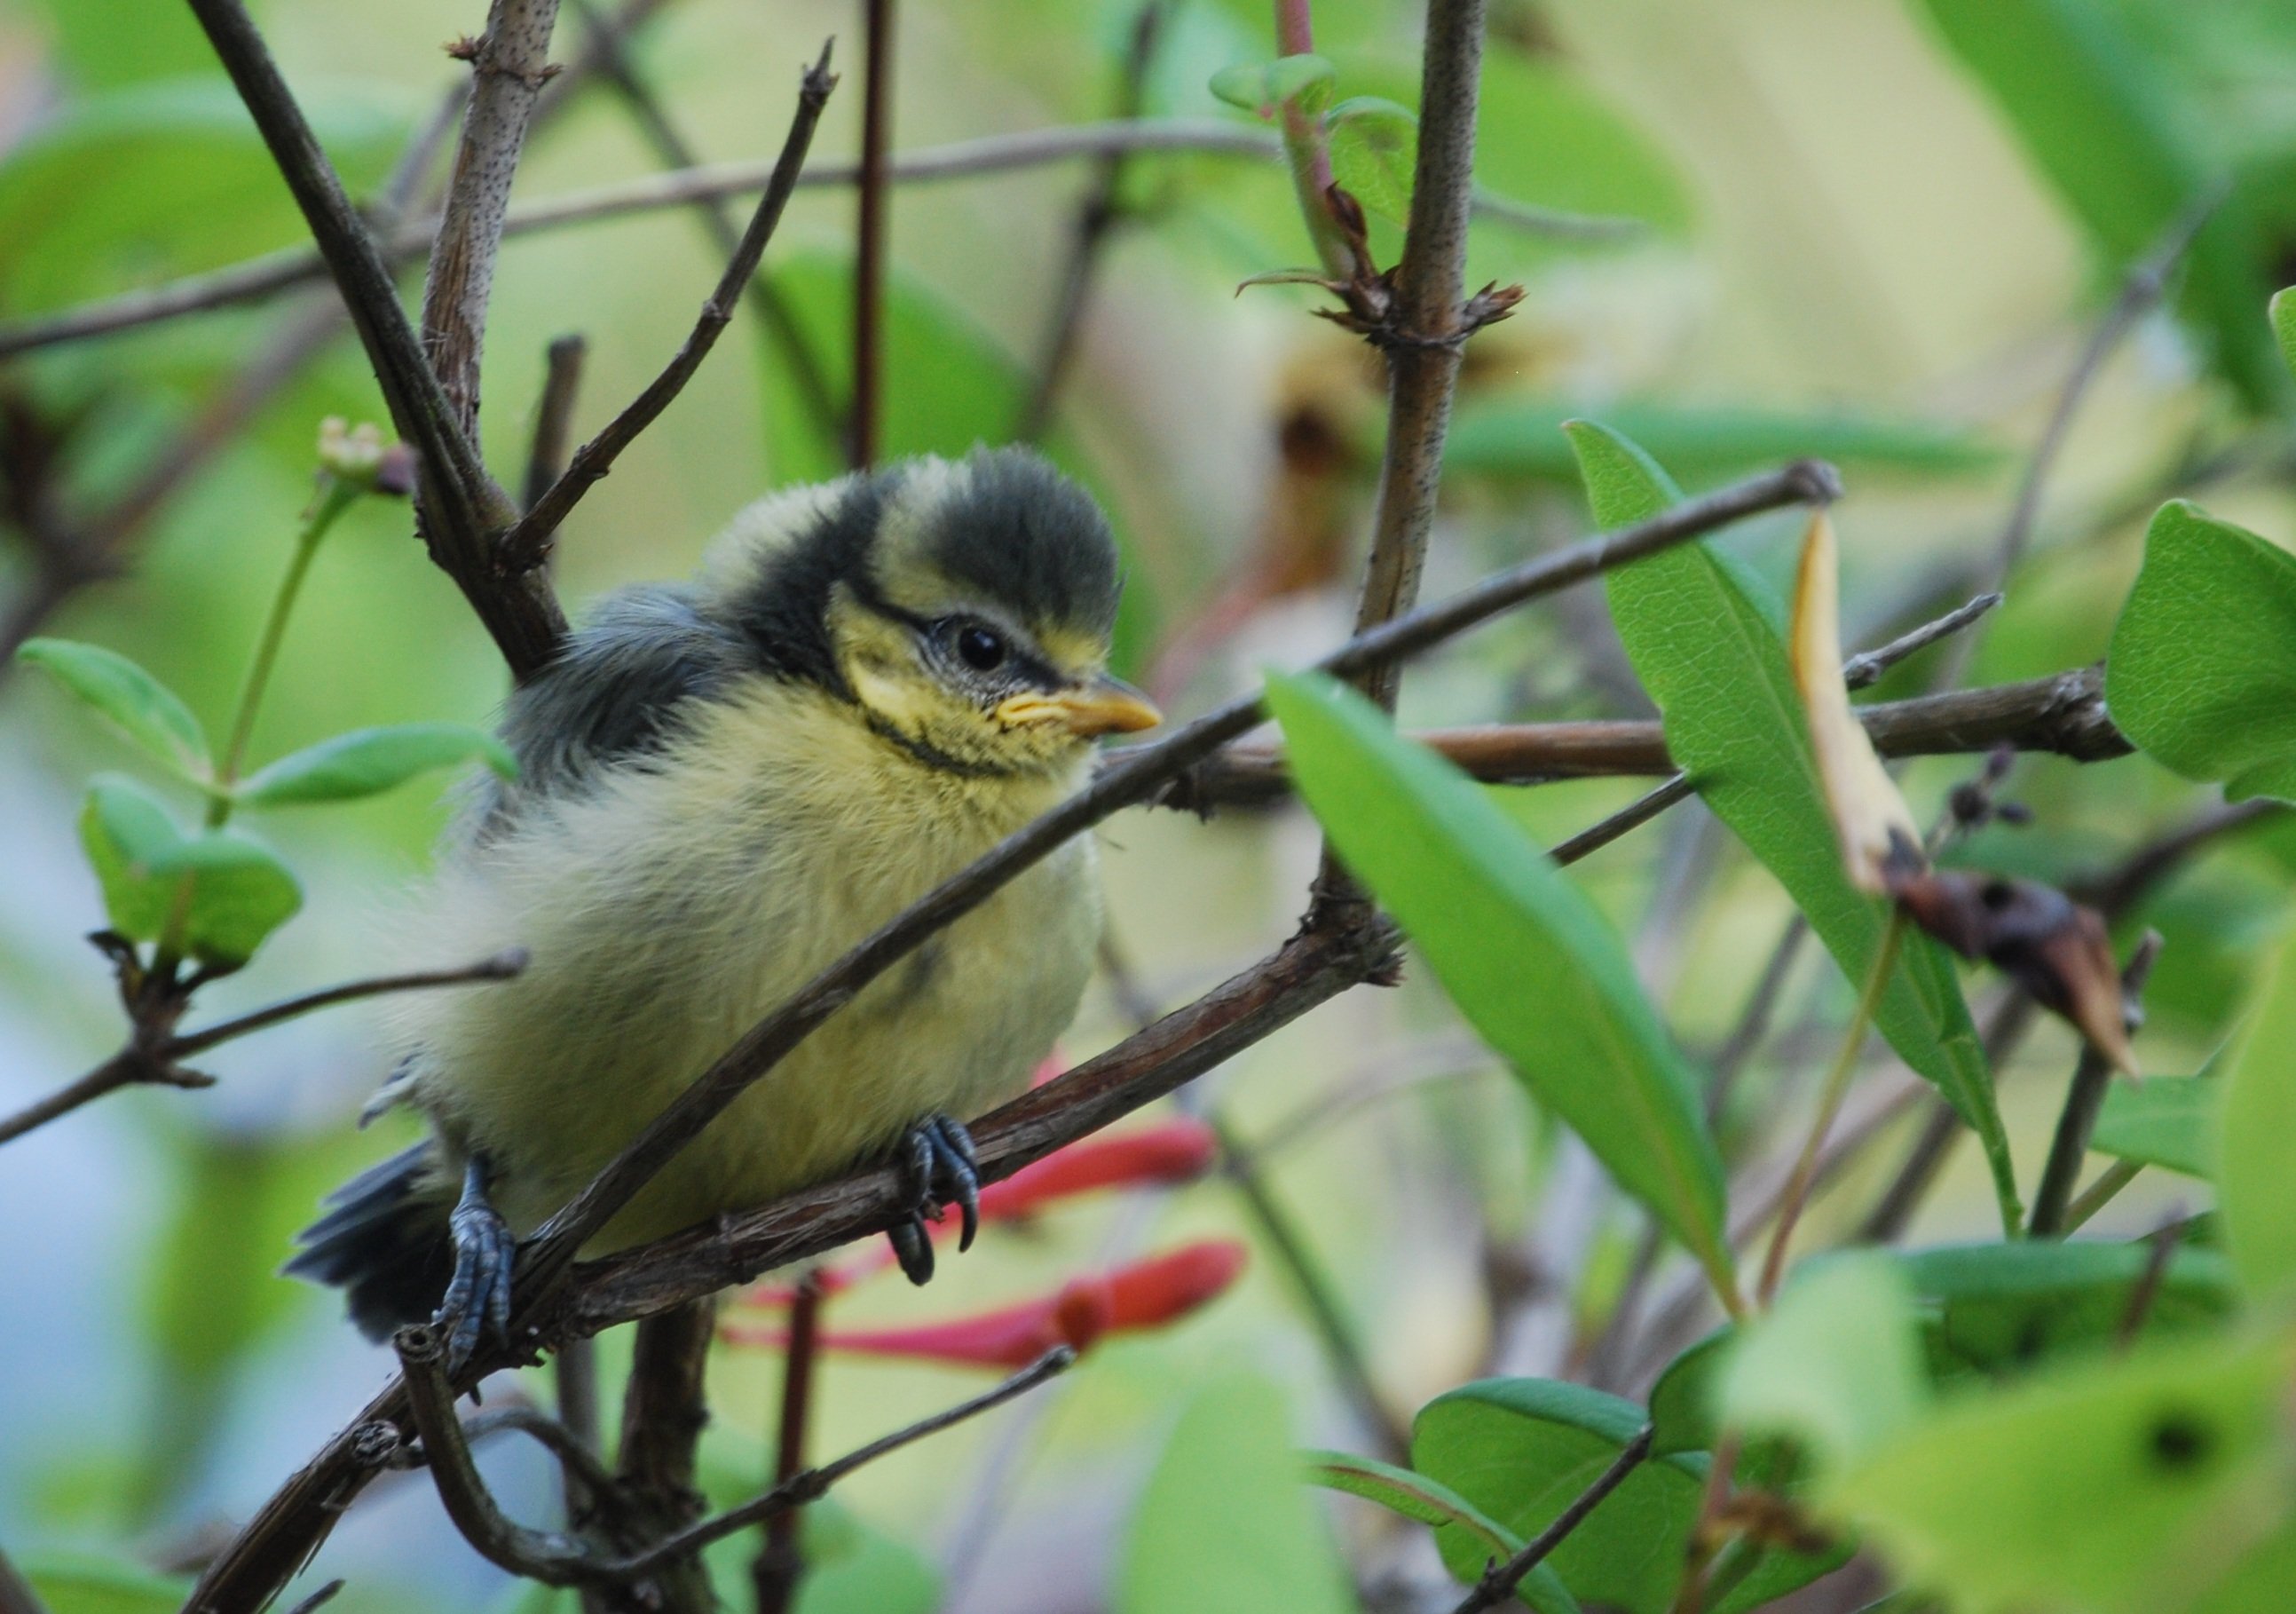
<point x="526" y="545"/>
<point x="2064" y="714"/>
<point x="1424" y="344"/>
<point x="319" y="1599"/>
<point x="1095" y="216"/>
<point x="2159" y="1250"/>
<point x="1865" y="669"/>
<point x="2083" y="1100"/>
<point x="459" y="502"/>
<point x="553" y="415"/>
<point x="868" y="409"/>
<point x="2101" y="1193"/>
<point x="579" y="1460"/>
<point x="1500" y="1580"/>
<point x="502" y="967"/>
<point x="663" y="1414"/>
<point x="509" y="65"/>
<point x="779" y="1562"/>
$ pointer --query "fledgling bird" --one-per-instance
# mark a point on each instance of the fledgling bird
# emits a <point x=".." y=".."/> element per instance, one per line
<point x="723" y="785"/>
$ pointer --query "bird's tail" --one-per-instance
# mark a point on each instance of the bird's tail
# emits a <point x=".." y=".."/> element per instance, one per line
<point x="385" y="1243"/>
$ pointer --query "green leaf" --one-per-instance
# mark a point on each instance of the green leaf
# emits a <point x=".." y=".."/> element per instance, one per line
<point x="2108" y="129"/>
<point x="139" y="705"/>
<point x="1416" y="1496"/>
<point x="84" y="1582"/>
<point x="1520" y="437"/>
<point x="2105" y="1487"/>
<point x="1707" y="647"/>
<point x="1225" y="1526"/>
<point x="368" y="762"/>
<point x="1835" y="1365"/>
<point x="2165" y="1121"/>
<point x="239" y="892"/>
<point x="1522" y="1450"/>
<point x="1524" y="954"/>
<point x="2202" y="669"/>
<point x="1374" y="146"/>
<point x="2259" y="1581"/>
<point x="2282" y="311"/>
<point x="1262" y="87"/>
<point x="2258" y="1162"/>
<point x="2004" y="1308"/>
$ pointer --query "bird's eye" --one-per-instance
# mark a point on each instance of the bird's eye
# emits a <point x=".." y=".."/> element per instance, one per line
<point x="982" y="649"/>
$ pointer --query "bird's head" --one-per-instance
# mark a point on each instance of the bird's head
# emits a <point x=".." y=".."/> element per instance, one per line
<point x="965" y="608"/>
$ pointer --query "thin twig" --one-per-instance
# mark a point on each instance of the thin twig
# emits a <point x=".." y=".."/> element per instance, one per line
<point x="579" y="1460"/>
<point x="509" y="65"/>
<point x="988" y="155"/>
<point x="2064" y="714"/>
<point x="1096" y="217"/>
<point x="1865" y="669"/>
<point x="319" y="1599"/>
<point x="525" y="546"/>
<point x="502" y="967"/>
<point x="553" y="415"/>
<point x="2159" y="1248"/>
<point x="779" y="1562"/>
<point x="2084" y="1100"/>
<point x="461" y="505"/>
<point x="1500" y="1580"/>
<point x="868" y="408"/>
<point x="2101" y="1193"/>
<point x="664" y="1410"/>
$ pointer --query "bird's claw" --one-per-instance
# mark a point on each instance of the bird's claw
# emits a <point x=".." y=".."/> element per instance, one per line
<point x="940" y="1164"/>
<point x="486" y="1252"/>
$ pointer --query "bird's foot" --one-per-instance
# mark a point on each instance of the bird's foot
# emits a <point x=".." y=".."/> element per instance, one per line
<point x="939" y="1162"/>
<point x="478" y="1297"/>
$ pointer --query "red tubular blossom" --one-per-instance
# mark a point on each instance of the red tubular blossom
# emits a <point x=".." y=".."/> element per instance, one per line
<point x="1177" y="1150"/>
<point x="1149" y="1294"/>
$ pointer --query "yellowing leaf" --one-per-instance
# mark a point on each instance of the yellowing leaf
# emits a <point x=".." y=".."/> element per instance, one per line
<point x="1871" y="820"/>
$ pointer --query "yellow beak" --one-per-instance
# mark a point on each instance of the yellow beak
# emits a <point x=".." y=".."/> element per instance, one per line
<point x="1106" y="706"/>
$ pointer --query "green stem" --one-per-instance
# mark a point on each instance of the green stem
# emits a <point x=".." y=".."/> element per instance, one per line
<point x="1829" y="1104"/>
<point x="335" y="496"/>
<point x="1307" y="151"/>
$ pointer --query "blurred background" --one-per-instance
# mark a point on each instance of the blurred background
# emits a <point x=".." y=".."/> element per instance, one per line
<point x="1838" y="239"/>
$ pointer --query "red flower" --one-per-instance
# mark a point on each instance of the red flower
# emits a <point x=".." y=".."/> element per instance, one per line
<point x="1179" y="1150"/>
<point x="1145" y="1295"/>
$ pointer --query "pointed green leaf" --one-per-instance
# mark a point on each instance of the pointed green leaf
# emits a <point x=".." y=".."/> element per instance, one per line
<point x="234" y="892"/>
<point x="2282" y="311"/>
<point x="1524" y="954"/>
<point x="367" y="762"/>
<point x="1262" y="87"/>
<point x="2006" y="1308"/>
<point x="2165" y="1121"/>
<point x="139" y="705"/>
<point x="1374" y="146"/>
<point x="1225" y="1526"/>
<point x="88" y="1583"/>
<point x="2157" y="1468"/>
<point x="1519" y="437"/>
<point x="1416" y="1496"/>
<point x="1522" y="1450"/>
<point x="1705" y="642"/>
<point x="2258" y="1161"/>
<point x="2202" y="673"/>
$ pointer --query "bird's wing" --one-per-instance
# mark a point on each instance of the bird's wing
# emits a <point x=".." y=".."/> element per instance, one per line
<point x="613" y="694"/>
